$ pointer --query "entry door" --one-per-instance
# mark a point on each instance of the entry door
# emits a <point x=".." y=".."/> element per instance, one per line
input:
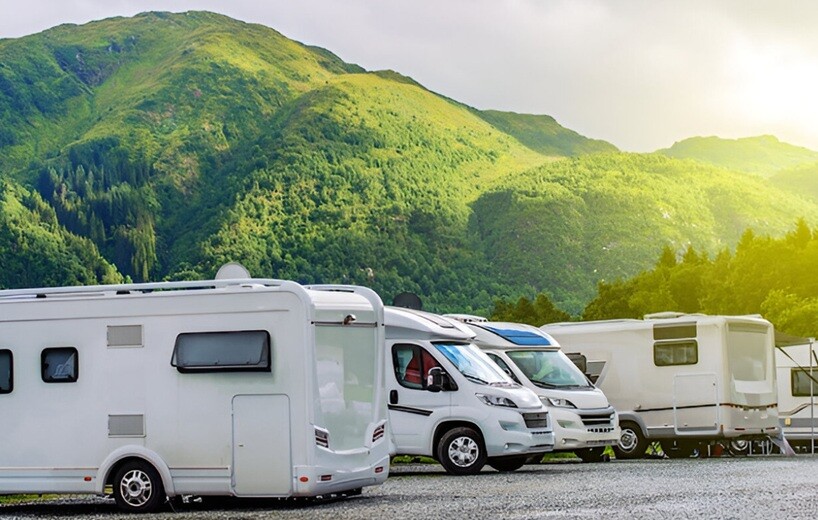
<point x="410" y="405"/>
<point x="261" y="445"/>
<point x="696" y="404"/>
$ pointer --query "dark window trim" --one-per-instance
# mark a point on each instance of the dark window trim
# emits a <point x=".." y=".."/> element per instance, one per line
<point x="676" y="342"/>
<point x="231" y="368"/>
<point x="11" y="371"/>
<point x="72" y="379"/>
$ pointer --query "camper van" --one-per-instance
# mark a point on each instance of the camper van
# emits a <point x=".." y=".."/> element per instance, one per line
<point x="583" y="420"/>
<point x="797" y="367"/>
<point x="681" y="379"/>
<point x="448" y="401"/>
<point x="231" y="387"/>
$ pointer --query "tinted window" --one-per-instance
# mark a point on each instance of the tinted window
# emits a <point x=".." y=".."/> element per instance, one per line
<point x="222" y="351"/>
<point x="801" y="381"/>
<point x="670" y="353"/>
<point x="60" y="365"/>
<point x="6" y="372"/>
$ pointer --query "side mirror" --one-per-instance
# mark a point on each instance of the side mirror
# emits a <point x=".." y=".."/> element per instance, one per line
<point x="434" y="380"/>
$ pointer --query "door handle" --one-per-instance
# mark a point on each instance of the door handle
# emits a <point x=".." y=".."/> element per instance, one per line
<point x="393" y="397"/>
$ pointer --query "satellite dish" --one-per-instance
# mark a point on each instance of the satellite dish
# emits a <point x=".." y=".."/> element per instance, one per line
<point x="232" y="271"/>
<point x="408" y="300"/>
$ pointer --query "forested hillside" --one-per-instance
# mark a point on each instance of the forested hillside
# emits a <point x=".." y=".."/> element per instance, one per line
<point x="164" y="145"/>
<point x="763" y="155"/>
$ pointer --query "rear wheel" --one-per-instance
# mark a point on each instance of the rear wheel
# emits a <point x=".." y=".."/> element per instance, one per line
<point x="632" y="443"/>
<point x="591" y="454"/>
<point x="679" y="449"/>
<point x="461" y="451"/>
<point x="138" y="487"/>
<point x="739" y="447"/>
<point x="505" y="464"/>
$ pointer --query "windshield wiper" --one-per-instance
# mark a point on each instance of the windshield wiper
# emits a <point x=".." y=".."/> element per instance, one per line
<point x="543" y="384"/>
<point x="475" y="379"/>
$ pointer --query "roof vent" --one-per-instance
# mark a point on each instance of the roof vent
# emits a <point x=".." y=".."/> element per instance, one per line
<point x="664" y="315"/>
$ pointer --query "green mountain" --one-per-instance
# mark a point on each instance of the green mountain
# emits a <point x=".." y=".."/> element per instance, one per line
<point x="764" y="155"/>
<point x="801" y="180"/>
<point x="168" y="144"/>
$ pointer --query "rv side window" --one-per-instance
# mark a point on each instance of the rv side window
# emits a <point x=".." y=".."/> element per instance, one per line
<point x="239" y="351"/>
<point x="412" y="364"/>
<point x="60" y="365"/>
<point x="800" y="382"/>
<point x="502" y="364"/>
<point x="6" y="372"/>
<point x="668" y="353"/>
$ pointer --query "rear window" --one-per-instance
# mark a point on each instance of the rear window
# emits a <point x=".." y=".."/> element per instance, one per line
<point x="222" y="351"/>
<point x="60" y="365"/>
<point x="669" y="353"/>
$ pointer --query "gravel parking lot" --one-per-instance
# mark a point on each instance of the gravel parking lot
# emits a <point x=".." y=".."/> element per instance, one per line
<point x="753" y="487"/>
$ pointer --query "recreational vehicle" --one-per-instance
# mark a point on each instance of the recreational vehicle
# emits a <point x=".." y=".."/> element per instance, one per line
<point x="797" y="367"/>
<point x="583" y="420"/>
<point x="233" y="387"/>
<point x="447" y="400"/>
<point x="681" y="379"/>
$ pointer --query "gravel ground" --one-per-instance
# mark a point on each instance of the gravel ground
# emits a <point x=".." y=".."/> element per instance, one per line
<point x="753" y="487"/>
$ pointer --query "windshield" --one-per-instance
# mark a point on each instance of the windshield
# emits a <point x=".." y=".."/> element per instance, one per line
<point x="473" y="364"/>
<point x="548" y="368"/>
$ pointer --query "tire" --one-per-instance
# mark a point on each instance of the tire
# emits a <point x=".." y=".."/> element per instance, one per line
<point x="461" y="451"/>
<point x="591" y="454"/>
<point x="632" y="443"/>
<point x="507" y="464"/>
<point x="739" y="447"/>
<point x="138" y="488"/>
<point x="679" y="449"/>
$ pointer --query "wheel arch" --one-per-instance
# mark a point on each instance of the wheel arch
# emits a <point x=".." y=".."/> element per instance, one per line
<point x="443" y="427"/>
<point x="625" y="417"/>
<point x="121" y="455"/>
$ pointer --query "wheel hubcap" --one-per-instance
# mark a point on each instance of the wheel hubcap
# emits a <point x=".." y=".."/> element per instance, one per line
<point x="463" y="451"/>
<point x="136" y="488"/>
<point x="628" y="440"/>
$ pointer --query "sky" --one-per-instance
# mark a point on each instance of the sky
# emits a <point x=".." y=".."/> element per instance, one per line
<point x="640" y="74"/>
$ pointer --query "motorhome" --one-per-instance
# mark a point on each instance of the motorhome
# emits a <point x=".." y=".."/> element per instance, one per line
<point x="797" y="366"/>
<point x="448" y="401"/>
<point x="584" y="422"/>
<point x="236" y="387"/>
<point x="681" y="379"/>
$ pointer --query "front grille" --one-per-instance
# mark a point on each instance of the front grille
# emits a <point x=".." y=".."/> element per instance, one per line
<point x="536" y="420"/>
<point x="598" y="422"/>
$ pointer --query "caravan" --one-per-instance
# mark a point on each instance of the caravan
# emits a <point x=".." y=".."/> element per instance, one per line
<point x="797" y="367"/>
<point x="681" y="379"/>
<point x="584" y="422"/>
<point x="239" y="387"/>
<point x="447" y="400"/>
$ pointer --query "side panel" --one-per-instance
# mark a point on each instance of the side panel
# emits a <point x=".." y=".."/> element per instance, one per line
<point x="261" y="445"/>
<point x="695" y="404"/>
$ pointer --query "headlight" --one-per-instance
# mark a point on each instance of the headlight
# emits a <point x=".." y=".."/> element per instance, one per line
<point x="557" y="402"/>
<point x="496" y="400"/>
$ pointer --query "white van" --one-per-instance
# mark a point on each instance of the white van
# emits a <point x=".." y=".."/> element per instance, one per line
<point x="797" y="366"/>
<point x="682" y="379"/>
<point x="583" y="420"/>
<point x="447" y="400"/>
<point x="241" y="387"/>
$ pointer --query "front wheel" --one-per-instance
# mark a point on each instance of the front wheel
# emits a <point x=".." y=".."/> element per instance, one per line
<point x="138" y="488"/>
<point x="596" y="454"/>
<point x="461" y="451"/>
<point x="632" y="443"/>
<point x="506" y="464"/>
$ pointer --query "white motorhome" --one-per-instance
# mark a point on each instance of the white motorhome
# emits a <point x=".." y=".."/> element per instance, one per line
<point x="447" y="400"/>
<point x="797" y="366"/>
<point x="583" y="420"/>
<point x="682" y="379"/>
<point x="240" y="387"/>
